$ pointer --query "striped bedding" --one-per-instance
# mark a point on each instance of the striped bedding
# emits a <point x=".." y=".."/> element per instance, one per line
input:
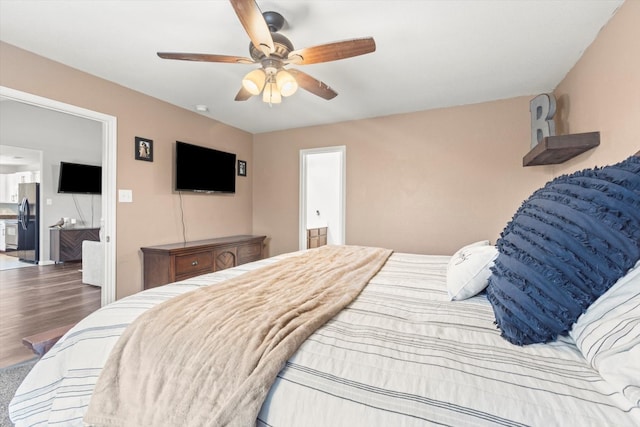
<point x="401" y="354"/>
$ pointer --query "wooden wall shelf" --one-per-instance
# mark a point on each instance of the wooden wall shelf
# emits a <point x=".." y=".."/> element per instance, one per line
<point x="558" y="149"/>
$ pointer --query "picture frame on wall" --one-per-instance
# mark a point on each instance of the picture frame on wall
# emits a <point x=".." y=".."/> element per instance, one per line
<point x="144" y="149"/>
<point x="242" y="168"/>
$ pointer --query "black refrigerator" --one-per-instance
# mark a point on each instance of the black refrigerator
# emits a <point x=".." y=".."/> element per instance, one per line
<point x="28" y="222"/>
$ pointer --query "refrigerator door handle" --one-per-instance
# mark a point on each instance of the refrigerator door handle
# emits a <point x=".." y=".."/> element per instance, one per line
<point x="20" y="212"/>
<point x="25" y="213"/>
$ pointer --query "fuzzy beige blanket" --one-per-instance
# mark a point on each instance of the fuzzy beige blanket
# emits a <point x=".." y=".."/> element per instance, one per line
<point x="210" y="356"/>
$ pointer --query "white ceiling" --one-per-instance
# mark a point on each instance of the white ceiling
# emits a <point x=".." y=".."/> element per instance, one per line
<point x="430" y="53"/>
<point x="18" y="156"/>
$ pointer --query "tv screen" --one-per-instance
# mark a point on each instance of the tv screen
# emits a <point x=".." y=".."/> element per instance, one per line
<point x="78" y="178"/>
<point x="204" y="169"/>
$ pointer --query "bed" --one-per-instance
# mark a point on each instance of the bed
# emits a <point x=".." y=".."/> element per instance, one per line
<point x="428" y="340"/>
<point x="402" y="354"/>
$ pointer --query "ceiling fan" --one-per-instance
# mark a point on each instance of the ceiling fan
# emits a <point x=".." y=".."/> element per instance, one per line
<point x="273" y="52"/>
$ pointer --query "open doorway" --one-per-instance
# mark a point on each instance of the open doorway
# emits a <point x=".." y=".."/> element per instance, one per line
<point x="322" y="193"/>
<point x="20" y="172"/>
<point x="108" y="147"/>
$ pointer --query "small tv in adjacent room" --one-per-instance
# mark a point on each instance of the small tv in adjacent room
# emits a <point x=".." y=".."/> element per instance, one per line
<point x="80" y="179"/>
<point x="204" y="170"/>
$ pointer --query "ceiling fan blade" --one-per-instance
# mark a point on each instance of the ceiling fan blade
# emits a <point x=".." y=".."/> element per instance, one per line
<point x="254" y="24"/>
<point x="243" y="95"/>
<point x="332" y="51"/>
<point x="205" y="57"/>
<point x="316" y="87"/>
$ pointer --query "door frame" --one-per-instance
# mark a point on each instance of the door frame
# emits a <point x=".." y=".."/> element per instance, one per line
<point x="109" y="151"/>
<point x="302" y="232"/>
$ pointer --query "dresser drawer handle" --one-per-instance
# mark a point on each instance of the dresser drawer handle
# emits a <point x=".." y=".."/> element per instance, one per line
<point x="194" y="263"/>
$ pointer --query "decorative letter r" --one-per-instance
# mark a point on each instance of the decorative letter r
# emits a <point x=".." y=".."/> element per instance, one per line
<point x="542" y="109"/>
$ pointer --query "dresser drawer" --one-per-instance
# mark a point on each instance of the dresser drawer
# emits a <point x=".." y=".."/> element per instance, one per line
<point x="192" y="264"/>
<point x="248" y="253"/>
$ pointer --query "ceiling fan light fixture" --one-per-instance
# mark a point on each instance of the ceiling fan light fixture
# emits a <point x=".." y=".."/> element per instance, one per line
<point x="253" y="82"/>
<point x="287" y="84"/>
<point x="272" y="51"/>
<point x="271" y="94"/>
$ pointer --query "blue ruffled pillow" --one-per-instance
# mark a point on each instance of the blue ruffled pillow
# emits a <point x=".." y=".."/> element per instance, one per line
<point x="565" y="246"/>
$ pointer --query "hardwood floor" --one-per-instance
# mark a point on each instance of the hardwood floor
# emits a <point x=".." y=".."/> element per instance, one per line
<point x="37" y="299"/>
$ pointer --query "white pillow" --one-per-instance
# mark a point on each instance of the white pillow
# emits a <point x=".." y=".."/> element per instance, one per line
<point x="469" y="270"/>
<point x="608" y="335"/>
<point x="472" y="245"/>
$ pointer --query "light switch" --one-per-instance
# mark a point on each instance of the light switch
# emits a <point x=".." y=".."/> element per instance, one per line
<point x="49" y="202"/>
<point x="125" y="196"/>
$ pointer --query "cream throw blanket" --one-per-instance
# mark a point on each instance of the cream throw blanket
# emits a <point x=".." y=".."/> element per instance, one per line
<point x="210" y="356"/>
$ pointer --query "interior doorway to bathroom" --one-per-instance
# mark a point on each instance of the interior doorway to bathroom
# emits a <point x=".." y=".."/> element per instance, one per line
<point x="322" y="193"/>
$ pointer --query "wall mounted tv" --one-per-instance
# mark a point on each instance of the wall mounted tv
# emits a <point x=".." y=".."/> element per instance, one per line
<point x="204" y="170"/>
<point x="78" y="178"/>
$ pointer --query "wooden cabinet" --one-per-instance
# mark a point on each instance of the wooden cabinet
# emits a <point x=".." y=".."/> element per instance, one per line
<point x="178" y="261"/>
<point x="66" y="243"/>
<point x="316" y="237"/>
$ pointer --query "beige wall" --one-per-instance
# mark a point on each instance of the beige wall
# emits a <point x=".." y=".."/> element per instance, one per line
<point x="154" y="216"/>
<point x="432" y="181"/>
<point x="425" y="182"/>
<point x="602" y="92"/>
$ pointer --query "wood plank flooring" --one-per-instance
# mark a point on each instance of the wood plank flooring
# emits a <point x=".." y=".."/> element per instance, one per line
<point x="37" y="299"/>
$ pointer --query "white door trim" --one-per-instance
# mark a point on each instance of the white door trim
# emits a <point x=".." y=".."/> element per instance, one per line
<point x="109" y="147"/>
<point x="342" y="149"/>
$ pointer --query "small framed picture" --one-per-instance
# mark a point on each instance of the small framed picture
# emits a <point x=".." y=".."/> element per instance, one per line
<point x="144" y="149"/>
<point x="242" y="168"/>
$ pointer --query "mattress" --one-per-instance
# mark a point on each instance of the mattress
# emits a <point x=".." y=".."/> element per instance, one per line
<point x="401" y="354"/>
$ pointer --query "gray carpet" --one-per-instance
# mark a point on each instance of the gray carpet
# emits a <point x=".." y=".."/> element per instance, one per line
<point x="10" y="379"/>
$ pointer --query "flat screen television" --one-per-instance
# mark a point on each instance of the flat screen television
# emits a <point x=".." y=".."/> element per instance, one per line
<point x="79" y="178"/>
<point x="204" y="170"/>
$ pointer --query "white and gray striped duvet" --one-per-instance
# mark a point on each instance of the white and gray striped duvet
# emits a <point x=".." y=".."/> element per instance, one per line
<point x="400" y="355"/>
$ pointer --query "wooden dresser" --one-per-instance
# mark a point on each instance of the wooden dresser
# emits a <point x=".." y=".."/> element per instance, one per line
<point x="178" y="261"/>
